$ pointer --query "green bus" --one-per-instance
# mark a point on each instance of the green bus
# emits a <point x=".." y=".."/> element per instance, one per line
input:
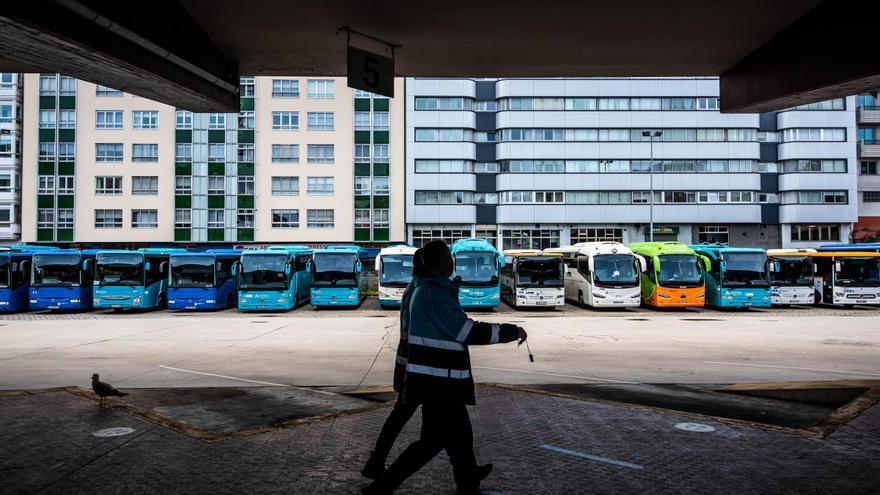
<point x="674" y="274"/>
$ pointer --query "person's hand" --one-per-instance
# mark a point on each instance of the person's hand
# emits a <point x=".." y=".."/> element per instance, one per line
<point x="521" y="335"/>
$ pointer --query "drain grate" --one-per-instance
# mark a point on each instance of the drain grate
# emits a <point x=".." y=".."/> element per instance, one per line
<point x="258" y="321"/>
<point x="700" y="319"/>
<point x="638" y="319"/>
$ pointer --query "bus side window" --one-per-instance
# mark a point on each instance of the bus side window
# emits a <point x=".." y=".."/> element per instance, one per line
<point x="300" y="262"/>
<point x="715" y="269"/>
<point x="649" y="268"/>
<point x="223" y="269"/>
<point x="583" y="266"/>
<point x="152" y="275"/>
<point x="18" y="274"/>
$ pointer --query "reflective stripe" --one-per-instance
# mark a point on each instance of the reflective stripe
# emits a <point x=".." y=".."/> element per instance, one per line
<point x="496" y="329"/>
<point x="441" y="372"/>
<point x="436" y="343"/>
<point x="400" y="360"/>
<point x="465" y="330"/>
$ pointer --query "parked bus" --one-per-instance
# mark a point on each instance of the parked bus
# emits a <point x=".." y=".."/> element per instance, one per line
<point x="132" y="279"/>
<point x="673" y="276"/>
<point x="737" y="277"/>
<point x="15" y="276"/>
<point x="62" y="279"/>
<point x="274" y="278"/>
<point x="601" y="274"/>
<point x="337" y="277"/>
<point x="394" y="267"/>
<point x="478" y="266"/>
<point x="847" y="278"/>
<point x="791" y="276"/>
<point x="531" y="278"/>
<point x="866" y="247"/>
<point x="202" y="281"/>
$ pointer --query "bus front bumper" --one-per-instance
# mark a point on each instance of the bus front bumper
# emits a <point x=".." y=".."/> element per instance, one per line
<point x="738" y="299"/>
<point x="390" y="297"/>
<point x="678" y="298"/>
<point x="59" y="303"/>
<point x="268" y="301"/>
<point x="335" y="297"/>
<point x="798" y="295"/>
<point x="541" y="298"/>
<point x="194" y="304"/>
<point x="476" y="298"/>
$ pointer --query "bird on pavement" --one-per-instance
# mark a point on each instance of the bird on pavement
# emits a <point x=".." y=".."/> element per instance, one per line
<point x="104" y="390"/>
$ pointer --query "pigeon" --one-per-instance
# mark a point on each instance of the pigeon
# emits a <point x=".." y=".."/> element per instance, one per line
<point x="104" y="390"/>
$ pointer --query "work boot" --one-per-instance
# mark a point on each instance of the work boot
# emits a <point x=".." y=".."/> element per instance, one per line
<point x="375" y="467"/>
<point x="472" y="487"/>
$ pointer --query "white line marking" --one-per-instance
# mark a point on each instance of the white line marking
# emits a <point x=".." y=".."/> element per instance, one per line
<point x="792" y="368"/>
<point x="591" y="378"/>
<point x="591" y="457"/>
<point x="271" y="384"/>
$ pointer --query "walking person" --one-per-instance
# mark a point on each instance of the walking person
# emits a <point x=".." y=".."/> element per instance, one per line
<point x="438" y="374"/>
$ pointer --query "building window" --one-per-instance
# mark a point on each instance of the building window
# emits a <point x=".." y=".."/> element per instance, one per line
<point x="285" y="186"/>
<point x="8" y="80"/>
<point x="7" y="113"/>
<point x="443" y="197"/>
<point x="362" y="153"/>
<point x="381" y="218"/>
<point x="320" y="121"/>
<point x="108" y="152"/>
<point x="46" y="218"/>
<point x="183" y="184"/>
<point x="46" y="184"/>
<point x="46" y="152"/>
<point x="422" y="236"/>
<point x="822" y="197"/>
<point x="713" y="234"/>
<point x="380" y="185"/>
<point x="145" y="185"/>
<point x="145" y="120"/>
<point x="145" y="152"/>
<point x="144" y="219"/>
<point x="246" y="185"/>
<point x="320" y="153"/>
<point x="246" y="120"/>
<point x="108" y="119"/>
<point x="707" y="104"/>
<point x="871" y="196"/>
<point x="811" y="134"/>
<point x="443" y="167"/>
<point x="6" y="147"/>
<point x="484" y="198"/>
<point x="380" y="153"/>
<point x="184" y="119"/>
<point x="106" y="91"/>
<point x="216" y="185"/>
<point x="834" y="104"/>
<point x="321" y="88"/>
<point x="216" y="218"/>
<point x="245" y="152"/>
<point x="530" y="239"/>
<point x="66" y="184"/>
<point x="596" y="234"/>
<point x="48" y="85"/>
<point x="108" y="219"/>
<point x="319" y="219"/>
<point x="108" y="185"/>
<point x="285" y="88"/>
<point x="182" y="219"/>
<point x="361" y="218"/>
<point x="245" y="218"/>
<point x="380" y="121"/>
<point x="216" y="152"/>
<point x="868" y="168"/>
<point x="447" y="135"/>
<point x="814" y="166"/>
<point x="319" y="186"/>
<point x="216" y="121"/>
<point x="801" y="232"/>
<point x="67" y="86"/>
<point x="47" y="119"/>
<point x="362" y="121"/>
<point x="363" y="185"/>
<point x="285" y="121"/>
<point x="183" y="152"/>
<point x="68" y="119"/>
<point x="443" y="103"/>
<point x="65" y="218"/>
<point x="285" y="219"/>
<point x="246" y="87"/>
<point x="285" y="153"/>
<point x="66" y="151"/>
<point x="5" y="181"/>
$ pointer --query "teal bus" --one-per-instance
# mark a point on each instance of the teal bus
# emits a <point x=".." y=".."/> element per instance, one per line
<point x="273" y="279"/>
<point x="132" y="279"/>
<point x="203" y="280"/>
<point x="337" y="277"/>
<point x="478" y="268"/>
<point x="737" y="277"/>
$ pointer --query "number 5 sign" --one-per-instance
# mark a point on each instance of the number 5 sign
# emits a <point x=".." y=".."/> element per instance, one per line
<point x="370" y="72"/>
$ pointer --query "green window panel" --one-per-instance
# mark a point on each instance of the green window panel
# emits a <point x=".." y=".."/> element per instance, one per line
<point x="183" y="135"/>
<point x="380" y="169"/>
<point x="245" y="169"/>
<point x="65" y="201"/>
<point x="183" y="201"/>
<point x="215" y="235"/>
<point x="245" y="235"/>
<point x="46" y="168"/>
<point x="45" y="235"/>
<point x="361" y="169"/>
<point x="67" y="102"/>
<point x="45" y="201"/>
<point x="380" y="234"/>
<point x="361" y="234"/>
<point x="216" y="136"/>
<point x="66" y="168"/>
<point x="380" y="201"/>
<point x="246" y="136"/>
<point x="64" y="235"/>
<point x="183" y="169"/>
<point x="66" y="135"/>
<point x="245" y="201"/>
<point x="47" y="103"/>
<point x="182" y="235"/>
<point x="361" y="201"/>
<point x="362" y="137"/>
<point x="47" y="135"/>
<point x="246" y="104"/>
<point x="380" y="137"/>
<point x="216" y="201"/>
<point x="380" y="105"/>
<point x="216" y="169"/>
<point x="362" y="104"/>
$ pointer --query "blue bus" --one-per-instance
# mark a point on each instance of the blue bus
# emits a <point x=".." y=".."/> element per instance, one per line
<point x="15" y="275"/>
<point x="867" y="247"/>
<point x="337" y="278"/>
<point x="202" y="281"/>
<point x="274" y="278"/>
<point x="62" y="279"/>
<point x="132" y="279"/>
<point x="737" y="277"/>
<point x="478" y="266"/>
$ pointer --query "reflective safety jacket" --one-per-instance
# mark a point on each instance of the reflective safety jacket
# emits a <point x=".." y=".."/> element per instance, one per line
<point x="438" y="365"/>
<point x="400" y="359"/>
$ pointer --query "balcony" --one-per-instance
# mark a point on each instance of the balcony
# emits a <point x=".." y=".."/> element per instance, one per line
<point x="868" y="115"/>
<point x="869" y="148"/>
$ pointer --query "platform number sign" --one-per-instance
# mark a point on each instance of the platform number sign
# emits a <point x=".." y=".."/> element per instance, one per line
<point x="370" y="72"/>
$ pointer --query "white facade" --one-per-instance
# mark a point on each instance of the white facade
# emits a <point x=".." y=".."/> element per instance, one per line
<point x="10" y="156"/>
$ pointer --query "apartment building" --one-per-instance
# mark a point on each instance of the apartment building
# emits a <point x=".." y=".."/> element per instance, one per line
<point x="306" y="160"/>
<point x="868" y="121"/>
<point x="535" y="163"/>
<point x="10" y="156"/>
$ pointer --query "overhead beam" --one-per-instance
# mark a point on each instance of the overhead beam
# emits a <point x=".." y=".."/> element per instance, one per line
<point x="826" y="53"/>
<point x="154" y="50"/>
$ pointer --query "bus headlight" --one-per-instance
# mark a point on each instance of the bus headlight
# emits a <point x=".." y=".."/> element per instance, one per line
<point x="496" y="296"/>
<point x="598" y="296"/>
<point x="701" y="296"/>
<point x="96" y="301"/>
<point x="136" y="301"/>
<point x="242" y="300"/>
<point x="207" y="301"/>
<point x="33" y="301"/>
<point x="636" y="295"/>
<point x="664" y="296"/>
<point x="74" y="301"/>
<point x="282" y="299"/>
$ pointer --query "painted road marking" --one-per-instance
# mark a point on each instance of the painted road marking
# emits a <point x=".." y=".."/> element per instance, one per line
<point x="793" y="368"/>
<point x="591" y="457"/>
<point x="591" y="378"/>
<point x="271" y="384"/>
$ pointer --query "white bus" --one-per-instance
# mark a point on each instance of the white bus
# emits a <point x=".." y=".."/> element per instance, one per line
<point x="530" y="278"/>
<point x="792" y="276"/>
<point x="601" y="274"/>
<point x="394" y="266"/>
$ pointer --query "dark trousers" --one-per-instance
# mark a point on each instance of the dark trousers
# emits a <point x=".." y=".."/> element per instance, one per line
<point x="444" y="426"/>
<point x="399" y="416"/>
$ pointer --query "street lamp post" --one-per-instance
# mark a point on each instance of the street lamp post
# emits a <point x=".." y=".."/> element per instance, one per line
<point x="651" y="135"/>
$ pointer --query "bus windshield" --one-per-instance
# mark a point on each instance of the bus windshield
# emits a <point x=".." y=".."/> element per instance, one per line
<point x="263" y="272"/>
<point x="859" y="272"/>
<point x="120" y="269"/>
<point x="793" y="272"/>
<point x="192" y="271"/>
<point x="615" y="270"/>
<point x="56" y="270"/>
<point x="4" y="272"/>
<point x="334" y="269"/>
<point x="396" y="270"/>
<point x="682" y="270"/>
<point x="745" y="270"/>
<point x="476" y="268"/>
<point x="539" y="272"/>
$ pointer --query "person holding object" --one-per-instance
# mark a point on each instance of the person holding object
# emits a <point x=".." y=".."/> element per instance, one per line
<point x="438" y="373"/>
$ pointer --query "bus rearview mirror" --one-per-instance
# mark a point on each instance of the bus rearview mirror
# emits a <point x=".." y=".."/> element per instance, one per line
<point x="837" y="266"/>
<point x="309" y="266"/>
<point x="358" y="266"/>
<point x="235" y="269"/>
<point x="287" y="269"/>
<point x="147" y="265"/>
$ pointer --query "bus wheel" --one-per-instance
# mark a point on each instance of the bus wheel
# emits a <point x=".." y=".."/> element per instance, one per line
<point x="162" y="303"/>
<point x="581" y="299"/>
<point x="230" y="301"/>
